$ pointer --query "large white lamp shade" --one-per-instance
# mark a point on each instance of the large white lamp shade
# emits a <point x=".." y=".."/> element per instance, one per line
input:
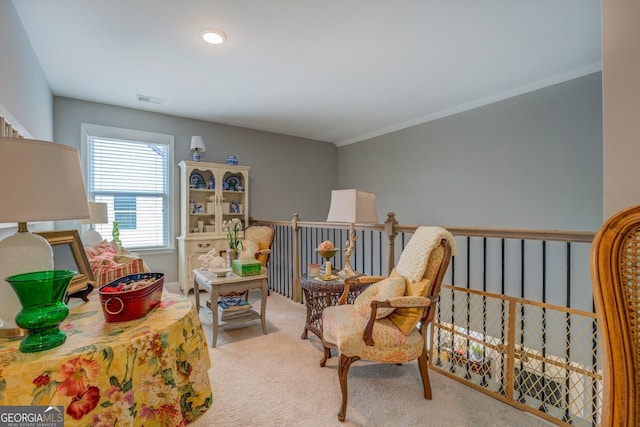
<point x="354" y="207"/>
<point x="39" y="181"/>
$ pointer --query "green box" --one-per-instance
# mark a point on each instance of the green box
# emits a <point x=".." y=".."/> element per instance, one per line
<point x="246" y="267"/>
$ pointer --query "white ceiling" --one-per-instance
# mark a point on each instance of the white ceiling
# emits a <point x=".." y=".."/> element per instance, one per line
<point x="332" y="70"/>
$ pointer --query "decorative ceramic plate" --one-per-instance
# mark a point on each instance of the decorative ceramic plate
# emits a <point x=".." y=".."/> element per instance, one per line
<point x="196" y="179"/>
<point x="220" y="272"/>
<point x="232" y="181"/>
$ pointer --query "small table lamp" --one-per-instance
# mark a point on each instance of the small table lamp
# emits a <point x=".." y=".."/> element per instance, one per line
<point x="99" y="215"/>
<point x="197" y="146"/>
<point x="39" y="181"/>
<point x="352" y="206"/>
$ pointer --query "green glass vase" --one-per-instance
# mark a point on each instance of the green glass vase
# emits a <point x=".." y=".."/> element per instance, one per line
<point x="41" y="294"/>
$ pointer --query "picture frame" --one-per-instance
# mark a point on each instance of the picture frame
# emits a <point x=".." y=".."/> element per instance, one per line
<point x="69" y="254"/>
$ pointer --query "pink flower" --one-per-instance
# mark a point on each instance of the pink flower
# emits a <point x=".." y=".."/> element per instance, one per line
<point x="327" y="245"/>
<point x="147" y="412"/>
<point x="111" y="390"/>
<point x="128" y="397"/>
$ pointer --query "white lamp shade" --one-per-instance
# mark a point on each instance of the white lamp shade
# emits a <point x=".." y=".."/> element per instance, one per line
<point x="353" y="206"/>
<point x="99" y="214"/>
<point x="40" y="181"/>
<point x="197" y="144"/>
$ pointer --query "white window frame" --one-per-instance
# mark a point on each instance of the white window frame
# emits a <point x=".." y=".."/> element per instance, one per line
<point x="87" y="129"/>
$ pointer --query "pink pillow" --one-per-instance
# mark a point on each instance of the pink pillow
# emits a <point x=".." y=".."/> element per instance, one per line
<point x="99" y="249"/>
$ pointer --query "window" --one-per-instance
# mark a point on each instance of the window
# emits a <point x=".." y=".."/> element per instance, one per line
<point x="130" y="171"/>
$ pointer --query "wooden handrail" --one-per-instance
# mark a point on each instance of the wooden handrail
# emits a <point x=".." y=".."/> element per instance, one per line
<point x="505" y="233"/>
<point x="390" y="228"/>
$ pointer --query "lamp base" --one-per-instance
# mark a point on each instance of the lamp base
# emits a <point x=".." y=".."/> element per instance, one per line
<point x="350" y="245"/>
<point x="91" y="238"/>
<point x="196" y="156"/>
<point x="347" y="272"/>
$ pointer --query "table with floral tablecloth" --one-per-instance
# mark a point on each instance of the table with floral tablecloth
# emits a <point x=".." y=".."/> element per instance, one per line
<point x="150" y="371"/>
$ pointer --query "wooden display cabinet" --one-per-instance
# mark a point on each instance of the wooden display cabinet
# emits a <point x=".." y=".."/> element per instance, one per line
<point x="210" y="193"/>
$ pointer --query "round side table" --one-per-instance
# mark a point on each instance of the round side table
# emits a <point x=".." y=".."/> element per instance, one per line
<point x="320" y="294"/>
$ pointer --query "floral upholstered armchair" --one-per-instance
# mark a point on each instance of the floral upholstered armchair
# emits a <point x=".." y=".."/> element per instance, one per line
<point x="257" y="243"/>
<point x="388" y="321"/>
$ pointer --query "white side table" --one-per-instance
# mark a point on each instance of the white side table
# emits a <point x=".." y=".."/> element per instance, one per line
<point x="224" y="285"/>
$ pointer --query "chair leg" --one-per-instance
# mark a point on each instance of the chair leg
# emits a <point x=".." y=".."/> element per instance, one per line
<point x="343" y="372"/>
<point x="325" y="356"/>
<point x="424" y="374"/>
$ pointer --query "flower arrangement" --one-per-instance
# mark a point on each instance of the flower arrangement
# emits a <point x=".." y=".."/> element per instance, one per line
<point x="232" y="227"/>
<point x="327" y="250"/>
<point x="327" y="245"/>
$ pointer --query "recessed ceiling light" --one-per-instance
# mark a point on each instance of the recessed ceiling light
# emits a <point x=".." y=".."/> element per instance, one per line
<point x="213" y="35"/>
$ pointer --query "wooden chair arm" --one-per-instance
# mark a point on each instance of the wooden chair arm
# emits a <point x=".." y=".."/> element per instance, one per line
<point x="368" y="329"/>
<point x="345" y="292"/>
<point x="395" y="302"/>
<point x="366" y="279"/>
<point x="409" y="302"/>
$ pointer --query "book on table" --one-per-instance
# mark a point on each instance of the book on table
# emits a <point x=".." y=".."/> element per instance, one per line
<point x="226" y="311"/>
<point x="241" y="305"/>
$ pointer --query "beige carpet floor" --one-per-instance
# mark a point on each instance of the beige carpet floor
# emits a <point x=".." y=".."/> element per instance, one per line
<point x="276" y="380"/>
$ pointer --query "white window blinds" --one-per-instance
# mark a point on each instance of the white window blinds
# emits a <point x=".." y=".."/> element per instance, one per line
<point x="132" y="177"/>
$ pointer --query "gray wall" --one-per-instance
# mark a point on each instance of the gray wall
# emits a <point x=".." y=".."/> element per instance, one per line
<point x="24" y="90"/>
<point x="532" y="161"/>
<point x="621" y="84"/>
<point x="284" y="177"/>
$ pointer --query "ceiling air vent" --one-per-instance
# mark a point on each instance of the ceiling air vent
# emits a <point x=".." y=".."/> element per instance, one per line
<point x="149" y="99"/>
